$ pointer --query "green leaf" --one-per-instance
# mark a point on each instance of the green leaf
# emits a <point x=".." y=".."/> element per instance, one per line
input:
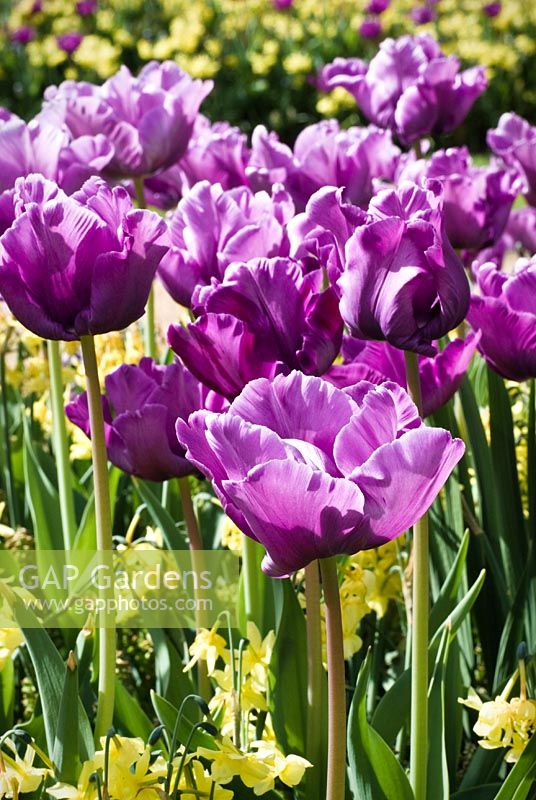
<point x="173" y="537"/>
<point x="448" y="596"/>
<point x="438" y="785"/>
<point x="65" y="754"/>
<point x="288" y="673"/>
<point x="375" y="773"/>
<point x="486" y="792"/>
<point x="50" y="674"/>
<point x="7" y="695"/>
<point x="129" y="715"/>
<point x="42" y="497"/>
<point x="167" y="714"/>
<point x="85" y="535"/>
<point x="171" y="681"/>
<point x="522" y="777"/>
<point x="503" y="454"/>
<point x="392" y="711"/>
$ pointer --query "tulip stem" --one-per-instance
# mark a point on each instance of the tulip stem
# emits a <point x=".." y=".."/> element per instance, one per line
<point x="61" y="445"/>
<point x="103" y="517"/>
<point x="314" y="679"/>
<point x="195" y="544"/>
<point x="149" y="328"/>
<point x="420" y="612"/>
<point x="250" y="577"/>
<point x="336" y="771"/>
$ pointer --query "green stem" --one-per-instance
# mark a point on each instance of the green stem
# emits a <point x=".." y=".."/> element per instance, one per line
<point x="251" y="580"/>
<point x="195" y="543"/>
<point x="314" y="680"/>
<point x="149" y="329"/>
<point x="61" y="445"/>
<point x="420" y="613"/>
<point x="336" y="771"/>
<point x="103" y="517"/>
<point x="11" y="495"/>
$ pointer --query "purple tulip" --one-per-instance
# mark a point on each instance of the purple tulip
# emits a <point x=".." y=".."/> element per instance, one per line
<point x="22" y="35"/>
<point x="318" y="236"/>
<point x="422" y="15"/>
<point x="514" y="141"/>
<point x="266" y="317"/>
<point x="311" y="471"/>
<point x="216" y="152"/>
<point x="86" y="7"/>
<point x="522" y="228"/>
<point x="476" y="200"/>
<point x="325" y="155"/>
<point x="72" y="266"/>
<point x="148" y="119"/>
<point x="505" y="314"/>
<point x="282" y="5"/>
<point x="410" y="86"/>
<point x="69" y="42"/>
<point x="141" y="406"/>
<point x="377" y="6"/>
<point x="403" y="281"/>
<point x="370" y="28"/>
<point x="377" y="362"/>
<point x="212" y="228"/>
<point x="40" y="147"/>
<point x="492" y="9"/>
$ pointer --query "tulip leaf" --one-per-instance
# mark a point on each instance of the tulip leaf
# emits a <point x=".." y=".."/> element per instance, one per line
<point x="392" y="711"/>
<point x="65" y="754"/>
<point x="129" y="715"/>
<point x="503" y="454"/>
<point x="50" y="675"/>
<point x="42" y="497"/>
<point x="174" y="538"/>
<point x="446" y="601"/>
<point x="171" y="682"/>
<point x="522" y="777"/>
<point x="438" y="785"/>
<point x="374" y="771"/>
<point x="288" y="673"/>
<point x="486" y="792"/>
<point x="167" y="715"/>
<point x="7" y="695"/>
<point x="85" y="535"/>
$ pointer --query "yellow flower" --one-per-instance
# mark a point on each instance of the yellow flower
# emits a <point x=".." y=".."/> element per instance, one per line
<point x="297" y="63"/>
<point x="84" y="790"/>
<point x="203" y="784"/>
<point x="257" y="655"/>
<point x="289" y="769"/>
<point x="231" y="536"/>
<point x="207" y="646"/>
<point x="130" y="772"/>
<point x="503" y="723"/>
<point x="10" y="639"/>
<point x="98" y="54"/>
<point x="19" y="774"/>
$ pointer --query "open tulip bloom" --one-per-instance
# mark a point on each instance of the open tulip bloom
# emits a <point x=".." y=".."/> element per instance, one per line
<point x="402" y="280"/>
<point x="78" y="265"/>
<point x="311" y="471"/>
<point x="141" y="405"/>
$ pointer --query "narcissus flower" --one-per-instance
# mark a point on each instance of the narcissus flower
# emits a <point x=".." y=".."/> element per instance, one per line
<point x="212" y="228"/>
<point x="72" y="266"/>
<point x="514" y="141"/>
<point x="377" y="362"/>
<point x="403" y="281"/>
<point x="266" y="317"/>
<point x="505" y="314"/>
<point x="311" y="471"/>
<point x="476" y="200"/>
<point x="141" y="405"/>
<point x="410" y="86"/>
<point x="148" y="119"/>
